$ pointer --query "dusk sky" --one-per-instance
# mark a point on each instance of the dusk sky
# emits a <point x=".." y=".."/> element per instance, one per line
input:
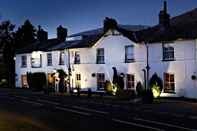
<point x="81" y="15"/>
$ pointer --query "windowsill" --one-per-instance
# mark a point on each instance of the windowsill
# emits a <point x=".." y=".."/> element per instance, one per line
<point x="36" y="67"/>
<point x="23" y="66"/>
<point x="129" y="61"/>
<point x="168" y="60"/>
<point x="169" y="92"/>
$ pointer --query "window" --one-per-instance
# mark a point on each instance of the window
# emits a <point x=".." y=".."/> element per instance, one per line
<point x="168" y="52"/>
<point x="169" y="84"/>
<point x="130" y="81"/>
<point x="100" y="59"/>
<point x="78" y="76"/>
<point x="61" y="58"/>
<point x="129" y="56"/>
<point x="36" y="60"/>
<point x="24" y="81"/>
<point x="78" y="81"/>
<point x="100" y="81"/>
<point x="49" y="59"/>
<point x="24" y="61"/>
<point x="77" y="58"/>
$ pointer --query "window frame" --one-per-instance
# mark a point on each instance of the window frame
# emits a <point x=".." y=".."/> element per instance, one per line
<point x="61" y="58"/>
<point x="130" y="81"/>
<point x="168" y="52"/>
<point x="40" y="62"/>
<point x="127" y="59"/>
<point x="51" y="58"/>
<point x="23" y="63"/>
<point x="168" y="82"/>
<point x="100" y="81"/>
<point x="77" y="59"/>
<point x="100" y="57"/>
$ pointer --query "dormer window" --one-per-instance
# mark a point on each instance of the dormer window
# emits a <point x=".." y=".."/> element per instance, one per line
<point x="168" y="52"/>
<point x="77" y="58"/>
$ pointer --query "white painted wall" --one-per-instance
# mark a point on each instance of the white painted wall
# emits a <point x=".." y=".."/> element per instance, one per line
<point x="183" y="67"/>
<point x="47" y="69"/>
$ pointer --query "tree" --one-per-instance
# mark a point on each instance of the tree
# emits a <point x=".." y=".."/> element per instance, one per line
<point x="25" y="35"/>
<point x="7" y="44"/>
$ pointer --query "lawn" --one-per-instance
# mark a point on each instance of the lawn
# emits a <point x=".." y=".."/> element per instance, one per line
<point x="13" y="122"/>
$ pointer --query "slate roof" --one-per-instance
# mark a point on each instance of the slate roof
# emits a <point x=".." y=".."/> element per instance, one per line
<point x="181" y="27"/>
<point x="91" y="37"/>
<point x="38" y="46"/>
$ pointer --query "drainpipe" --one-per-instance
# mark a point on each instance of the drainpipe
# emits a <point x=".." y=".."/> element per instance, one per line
<point x="147" y="65"/>
<point x="69" y="72"/>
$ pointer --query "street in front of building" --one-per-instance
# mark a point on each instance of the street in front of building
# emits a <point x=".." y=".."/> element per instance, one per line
<point x="58" y="113"/>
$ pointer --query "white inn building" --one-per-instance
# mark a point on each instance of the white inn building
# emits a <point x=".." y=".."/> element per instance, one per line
<point x="91" y="55"/>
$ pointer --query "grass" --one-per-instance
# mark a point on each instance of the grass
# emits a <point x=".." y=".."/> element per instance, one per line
<point x="13" y="122"/>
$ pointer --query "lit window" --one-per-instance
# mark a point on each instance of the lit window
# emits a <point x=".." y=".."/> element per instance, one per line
<point x="36" y="60"/>
<point x="129" y="56"/>
<point x="168" y="52"/>
<point x="24" y="81"/>
<point x="49" y="59"/>
<point x="77" y="58"/>
<point x="169" y="83"/>
<point x="100" y="81"/>
<point x="24" y="61"/>
<point x="130" y="81"/>
<point x="78" y="81"/>
<point x="100" y="58"/>
<point x="61" y="58"/>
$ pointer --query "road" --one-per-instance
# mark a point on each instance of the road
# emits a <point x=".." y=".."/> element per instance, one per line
<point x="59" y="113"/>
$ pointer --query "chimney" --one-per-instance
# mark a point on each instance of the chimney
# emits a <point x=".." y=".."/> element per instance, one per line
<point x="41" y="34"/>
<point x="109" y="23"/>
<point x="61" y="33"/>
<point x="164" y="17"/>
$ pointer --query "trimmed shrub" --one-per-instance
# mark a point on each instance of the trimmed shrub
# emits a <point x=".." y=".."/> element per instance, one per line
<point x="125" y="94"/>
<point x="108" y="87"/>
<point x="139" y="89"/>
<point x="156" y="85"/>
<point x="37" y="81"/>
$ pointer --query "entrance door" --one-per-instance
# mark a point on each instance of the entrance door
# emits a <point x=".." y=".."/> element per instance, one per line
<point x="24" y="81"/>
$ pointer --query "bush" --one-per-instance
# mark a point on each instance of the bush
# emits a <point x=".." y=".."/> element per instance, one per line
<point x="125" y="94"/>
<point x="37" y="81"/>
<point x="139" y="89"/>
<point x="156" y="85"/>
<point x="108" y="87"/>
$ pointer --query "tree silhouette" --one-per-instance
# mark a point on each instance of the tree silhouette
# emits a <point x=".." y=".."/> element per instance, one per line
<point x="7" y="44"/>
<point x="25" y="35"/>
